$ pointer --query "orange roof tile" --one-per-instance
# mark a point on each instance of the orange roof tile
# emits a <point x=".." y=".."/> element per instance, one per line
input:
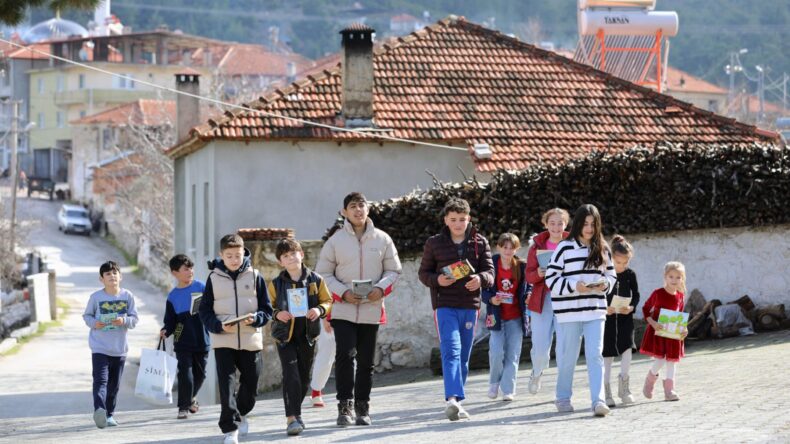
<point x="140" y="112"/>
<point x="31" y="52"/>
<point x="256" y="60"/>
<point x="456" y="81"/>
<point x="677" y="80"/>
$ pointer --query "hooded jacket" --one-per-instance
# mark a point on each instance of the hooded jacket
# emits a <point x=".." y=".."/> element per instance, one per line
<point x="539" y="288"/>
<point x="494" y="312"/>
<point x="317" y="297"/>
<point x="232" y="294"/>
<point x="345" y="258"/>
<point x="439" y="252"/>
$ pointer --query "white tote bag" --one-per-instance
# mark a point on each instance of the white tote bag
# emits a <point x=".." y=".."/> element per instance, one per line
<point x="157" y="375"/>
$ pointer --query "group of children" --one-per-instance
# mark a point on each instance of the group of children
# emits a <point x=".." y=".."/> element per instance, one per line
<point x="571" y="295"/>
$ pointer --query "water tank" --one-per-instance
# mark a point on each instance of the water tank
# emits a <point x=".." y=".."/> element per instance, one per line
<point x="53" y="29"/>
<point x="644" y="4"/>
<point x="628" y="22"/>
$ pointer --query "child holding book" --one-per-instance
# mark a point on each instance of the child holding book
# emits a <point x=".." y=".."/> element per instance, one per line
<point x="300" y="298"/>
<point x="190" y="339"/>
<point x="505" y="311"/>
<point x="618" y="335"/>
<point x="664" y="351"/>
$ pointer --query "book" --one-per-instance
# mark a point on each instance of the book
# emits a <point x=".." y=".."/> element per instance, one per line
<point x="458" y="270"/>
<point x="505" y="297"/>
<point x="236" y="320"/>
<point x="195" y="305"/>
<point x="673" y="322"/>
<point x="361" y="288"/>
<point x="596" y="282"/>
<point x="544" y="257"/>
<point x="619" y="302"/>
<point x="107" y="318"/>
<point x="111" y="310"/>
<point x="297" y="302"/>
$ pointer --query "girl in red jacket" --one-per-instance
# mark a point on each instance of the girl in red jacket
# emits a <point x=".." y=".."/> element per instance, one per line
<point x="664" y="350"/>
<point x="541" y="315"/>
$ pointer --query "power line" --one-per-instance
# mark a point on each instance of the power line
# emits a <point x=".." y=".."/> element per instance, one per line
<point x="361" y="132"/>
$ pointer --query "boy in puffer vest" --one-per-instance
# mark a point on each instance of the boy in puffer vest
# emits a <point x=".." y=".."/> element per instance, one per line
<point x="300" y="299"/>
<point x="234" y="309"/>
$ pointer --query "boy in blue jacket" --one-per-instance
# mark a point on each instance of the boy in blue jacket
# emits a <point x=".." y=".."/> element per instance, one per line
<point x="190" y="339"/>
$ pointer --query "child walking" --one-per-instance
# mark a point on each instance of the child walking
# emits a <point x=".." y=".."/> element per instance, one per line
<point x="110" y="313"/>
<point x="190" y="339"/>
<point x="295" y="331"/>
<point x="505" y="315"/>
<point x="664" y="351"/>
<point x="618" y="336"/>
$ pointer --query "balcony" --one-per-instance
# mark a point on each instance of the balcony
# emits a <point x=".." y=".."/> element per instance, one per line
<point x="102" y="95"/>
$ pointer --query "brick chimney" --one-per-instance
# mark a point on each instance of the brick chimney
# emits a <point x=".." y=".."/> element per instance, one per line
<point x="187" y="108"/>
<point x="357" y="74"/>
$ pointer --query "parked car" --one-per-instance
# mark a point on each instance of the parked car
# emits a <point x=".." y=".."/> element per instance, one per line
<point x="41" y="185"/>
<point x="74" y="218"/>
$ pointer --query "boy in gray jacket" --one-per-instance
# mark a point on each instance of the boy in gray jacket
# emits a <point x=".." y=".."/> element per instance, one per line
<point x="110" y="313"/>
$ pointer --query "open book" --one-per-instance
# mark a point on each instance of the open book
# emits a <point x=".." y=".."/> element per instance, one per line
<point x="619" y="302"/>
<point x="458" y="270"/>
<point x="195" y="305"/>
<point x="674" y="323"/>
<point x="237" y="320"/>
<point x="596" y="282"/>
<point x="544" y="257"/>
<point x="361" y="288"/>
<point x="297" y="302"/>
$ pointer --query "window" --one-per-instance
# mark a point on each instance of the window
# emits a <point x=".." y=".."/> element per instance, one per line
<point x="123" y="82"/>
<point x="60" y="119"/>
<point x="83" y="114"/>
<point x="40" y="87"/>
<point x="82" y="81"/>
<point x="60" y="83"/>
<point x="206" y="239"/>
<point x="107" y="138"/>
<point x="40" y="119"/>
<point x="194" y="216"/>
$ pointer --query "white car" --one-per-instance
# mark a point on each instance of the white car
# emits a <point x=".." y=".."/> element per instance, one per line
<point x="74" y="218"/>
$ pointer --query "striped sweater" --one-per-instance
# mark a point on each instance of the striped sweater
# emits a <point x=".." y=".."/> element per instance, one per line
<point x="565" y="270"/>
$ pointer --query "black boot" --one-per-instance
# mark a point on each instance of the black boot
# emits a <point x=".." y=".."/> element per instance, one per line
<point x="345" y="416"/>
<point x="362" y="409"/>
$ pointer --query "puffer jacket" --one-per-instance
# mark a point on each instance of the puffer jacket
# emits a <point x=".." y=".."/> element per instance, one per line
<point x="539" y="287"/>
<point x="345" y="258"/>
<point x="232" y="294"/>
<point x="317" y="297"/>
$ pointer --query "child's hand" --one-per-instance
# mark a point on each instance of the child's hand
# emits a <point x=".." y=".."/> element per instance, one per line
<point x="284" y="316"/>
<point x="117" y="321"/>
<point x="229" y="328"/>
<point x="626" y="310"/>
<point x="581" y="288"/>
<point x="542" y="272"/>
<point x="313" y="314"/>
<point x="162" y="334"/>
<point x="496" y="300"/>
<point x="327" y="326"/>
<point x="250" y="319"/>
<point x="349" y="297"/>
<point x="609" y="310"/>
<point x="446" y="281"/>
<point x="99" y="325"/>
<point x="473" y="284"/>
<point x="375" y="294"/>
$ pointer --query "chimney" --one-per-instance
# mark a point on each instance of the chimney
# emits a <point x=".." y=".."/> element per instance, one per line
<point x="357" y="74"/>
<point x="187" y="107"/>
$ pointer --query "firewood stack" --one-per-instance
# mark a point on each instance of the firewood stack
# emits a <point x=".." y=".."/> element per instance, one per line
<point x="642" y="190"/>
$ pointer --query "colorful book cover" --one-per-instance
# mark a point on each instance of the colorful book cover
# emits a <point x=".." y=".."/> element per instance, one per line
<point x="674" y="323"/>
<point x="297" y="302"/>
<point x="111" y="310"/>
<point x="544" y="257"/>
<point x="505" y="297"/>
<point x="458" y="270"/>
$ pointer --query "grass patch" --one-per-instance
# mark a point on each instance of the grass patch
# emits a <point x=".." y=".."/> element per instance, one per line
<point x="63" y="309"/>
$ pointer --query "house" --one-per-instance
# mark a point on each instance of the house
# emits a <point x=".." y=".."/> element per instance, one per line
<point x="455" y="84"/>
<point x="105" y="135"/>
<point x="704" y="95"/>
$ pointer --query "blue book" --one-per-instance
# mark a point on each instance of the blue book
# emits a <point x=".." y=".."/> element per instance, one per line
<point x="297" y="302"/>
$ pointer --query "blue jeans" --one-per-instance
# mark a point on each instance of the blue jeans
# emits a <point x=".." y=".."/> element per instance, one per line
<point x="504" y="352"/>
<point x="543" y="325"/>
<point x="456" y="335"/>
<point x="569" y="337"/>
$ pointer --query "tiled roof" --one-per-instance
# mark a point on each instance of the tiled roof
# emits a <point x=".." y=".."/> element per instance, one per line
<point x="33" y="51"/>
<point x="257" y="60"/>
<point x="677" y="80"/>
<point x="749" y="103"/>
<point x="145" y="112"/>
<point x="265" y="234"/>
<point x="457" y="82"/>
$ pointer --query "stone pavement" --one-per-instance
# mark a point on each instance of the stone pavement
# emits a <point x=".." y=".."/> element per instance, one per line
<point x="732" y="390"/>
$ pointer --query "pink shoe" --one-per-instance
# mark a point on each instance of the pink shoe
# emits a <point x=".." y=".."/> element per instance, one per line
<point x="669" y="391"/>
<point x="650" y="382"/>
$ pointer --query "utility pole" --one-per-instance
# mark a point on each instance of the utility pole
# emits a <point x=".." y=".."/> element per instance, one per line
<point x="761" y="92"/>
<point x="14" y="169"/>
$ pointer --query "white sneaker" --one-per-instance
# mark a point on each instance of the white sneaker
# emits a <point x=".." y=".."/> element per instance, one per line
<point x="231" y="437"/>
<point x="508" y="397"/>
<point x="493" y="391"/>
<point x="452" y="410"/>
<point x="534" y="383"/>
<point x="462" y="413"/>
<point x="600" y="409"/>
<point x="244" y="426"/>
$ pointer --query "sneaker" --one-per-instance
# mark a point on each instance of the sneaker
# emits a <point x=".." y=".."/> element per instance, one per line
<point x="299" y="418"/>
<point x="244" y="426"/>
<point x="100" y="418"/>
<point x="231" y="437"/>
<point x="564" y="405"/>
<point x="452" y="410"/>
<point x="508" y="397"/>
<point x="294" y="428"/>
<point x="600" y="409"/>
<point x="534" y="383"/>
<point x="462" y="413"/>
<point x="345" y="417"/>
<point x="183" y="414"/>
<point x="317" y="398"/>
<point x="111" y="422"/>
<point x="493" y="391"/>
<point x="194" y="407"/>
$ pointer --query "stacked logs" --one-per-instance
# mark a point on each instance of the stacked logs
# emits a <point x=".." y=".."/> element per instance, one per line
<point x="642" y="190"/>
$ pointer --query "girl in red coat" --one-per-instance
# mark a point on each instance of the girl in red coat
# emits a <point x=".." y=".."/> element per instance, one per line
<point x="664" y="350"/>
